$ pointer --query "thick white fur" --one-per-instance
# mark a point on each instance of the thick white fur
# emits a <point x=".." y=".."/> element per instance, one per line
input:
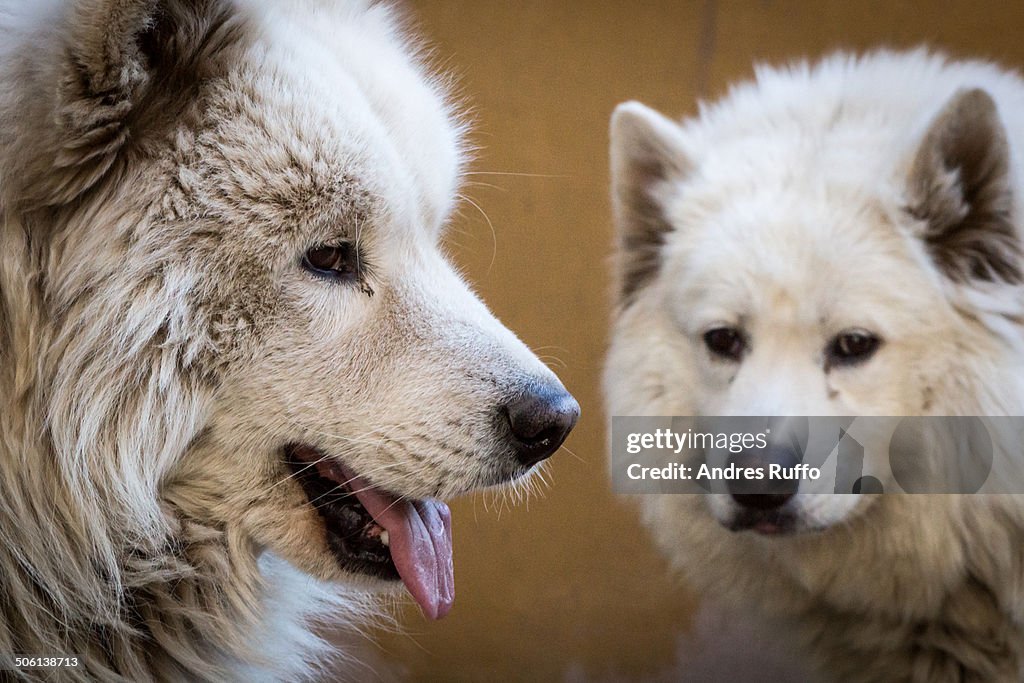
<point x="163" y="167"/>
<point x="785" y="208"/>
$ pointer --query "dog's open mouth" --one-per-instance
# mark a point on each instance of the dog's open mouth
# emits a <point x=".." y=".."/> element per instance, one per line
<point x="764" y="522"/>
<point x="374" y="532"/>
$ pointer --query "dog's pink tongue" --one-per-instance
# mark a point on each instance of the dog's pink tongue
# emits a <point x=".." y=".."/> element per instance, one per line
<point x="420" y="538"/>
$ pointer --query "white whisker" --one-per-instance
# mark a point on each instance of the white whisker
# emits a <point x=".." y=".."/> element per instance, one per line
<point x="494" y="234"/>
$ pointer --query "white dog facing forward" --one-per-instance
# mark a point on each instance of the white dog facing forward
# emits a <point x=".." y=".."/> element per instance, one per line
<point x="836" y="239"/>
<point x="237" y="373"/>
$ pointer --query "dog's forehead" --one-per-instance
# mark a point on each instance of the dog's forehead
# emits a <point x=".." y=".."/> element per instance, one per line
<point x="311" y="148"/>
<point x="808" y="254"/>
<point x="281" y="168"/>
<point x="776" y="225"/>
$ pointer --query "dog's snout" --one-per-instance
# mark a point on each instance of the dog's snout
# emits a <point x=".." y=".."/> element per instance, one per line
<point x="539" y="421"/>
<point x="770" y="492"/>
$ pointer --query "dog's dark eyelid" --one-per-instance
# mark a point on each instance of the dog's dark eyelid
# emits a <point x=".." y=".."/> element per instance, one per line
<point x="323" y="258"/>
<point x="340" y="262"/>
<point x="852" y="347"/>
<point x="726" y="343"/>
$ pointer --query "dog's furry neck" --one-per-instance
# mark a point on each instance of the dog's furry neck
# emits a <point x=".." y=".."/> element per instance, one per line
<point x="971" y="630"/>
<point x="99" y="557"/>
<point x="108" y="566"/>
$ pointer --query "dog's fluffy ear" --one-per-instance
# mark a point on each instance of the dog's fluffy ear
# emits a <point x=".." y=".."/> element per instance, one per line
<point x="647" y="155"/>
<point x="125" y="65"/>
<point x="960" y="190"/>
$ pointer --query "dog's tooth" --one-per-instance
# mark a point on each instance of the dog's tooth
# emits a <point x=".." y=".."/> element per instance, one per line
<point x="384" y="538"/>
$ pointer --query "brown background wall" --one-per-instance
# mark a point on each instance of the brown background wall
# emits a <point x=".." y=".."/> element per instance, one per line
<point x="567" y="585"/>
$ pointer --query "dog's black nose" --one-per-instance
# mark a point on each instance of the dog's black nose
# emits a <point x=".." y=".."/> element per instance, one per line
<point x="771" y="492"/>
<point x="540" y="420"/>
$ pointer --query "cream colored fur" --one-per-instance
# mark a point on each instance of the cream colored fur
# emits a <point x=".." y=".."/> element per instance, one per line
<point x="163" y="167"/>
<point x="880" y="193"/>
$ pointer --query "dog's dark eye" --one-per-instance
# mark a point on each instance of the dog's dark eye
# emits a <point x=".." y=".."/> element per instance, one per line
<point x="852" y="347"/>
<point x="726" y="342"/>
<point x="337" y="262"/>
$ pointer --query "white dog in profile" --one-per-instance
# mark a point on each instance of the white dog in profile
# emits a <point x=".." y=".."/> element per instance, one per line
<point x="237" y="373"/>
<point x="841" y="238"/>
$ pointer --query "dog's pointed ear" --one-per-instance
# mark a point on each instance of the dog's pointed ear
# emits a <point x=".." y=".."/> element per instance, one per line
<point x="647" y="155"/>
<point x="960" y="190"/>
<point x="124" y="64"/>
<point x="104" y="73"/>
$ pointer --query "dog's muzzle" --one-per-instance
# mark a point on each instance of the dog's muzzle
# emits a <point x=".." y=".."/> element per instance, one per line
<point x="763" y="504"/>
